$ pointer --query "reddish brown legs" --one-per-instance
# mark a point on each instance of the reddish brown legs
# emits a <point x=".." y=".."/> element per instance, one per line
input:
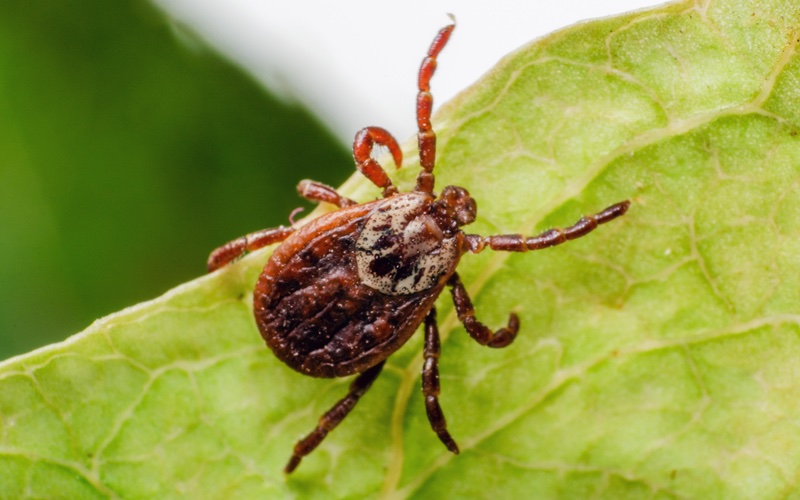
<point x="518" y="243"/>
<point x="426" y="136"/>
<point x="317" y="191"/>
<point x="333" y="417"/>
<point x="477" y="330"/>
<point x="231" y="251"/>
<point x="549" y="238"/>
<point x="366" y="139"/>
<point x="363" y="144"/>
<point x="310" y="190"/>
<point x="430" y="382"/>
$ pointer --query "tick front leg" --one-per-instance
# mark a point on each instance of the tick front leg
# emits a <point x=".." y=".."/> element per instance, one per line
<point x="232" y="250"/>
<point x="333" y="417"/>
<point x="426" y="137"/>
<point x="362" y="152"/>
<point x="430" y="382"/>
<point x="477" y="330"/>
<point x="549" y="238"/>
<point x="317" y="191"/>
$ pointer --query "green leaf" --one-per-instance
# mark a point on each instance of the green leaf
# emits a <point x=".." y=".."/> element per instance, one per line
<point x="657" y="356"/>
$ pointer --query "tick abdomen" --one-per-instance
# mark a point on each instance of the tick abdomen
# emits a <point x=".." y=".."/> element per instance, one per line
<point x="318" y="315"/>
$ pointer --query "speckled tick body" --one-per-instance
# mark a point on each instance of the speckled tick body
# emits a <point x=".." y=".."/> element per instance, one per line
<point x="342" y="293"/>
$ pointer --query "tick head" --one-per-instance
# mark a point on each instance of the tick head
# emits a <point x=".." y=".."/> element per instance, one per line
<point x="458" y="204"/>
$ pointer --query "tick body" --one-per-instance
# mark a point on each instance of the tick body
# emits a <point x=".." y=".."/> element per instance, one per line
<point x="328" y="307"/>
<point x="342" y="293"/>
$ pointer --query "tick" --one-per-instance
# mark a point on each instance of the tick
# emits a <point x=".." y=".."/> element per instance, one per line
<point x="342" y="293"/>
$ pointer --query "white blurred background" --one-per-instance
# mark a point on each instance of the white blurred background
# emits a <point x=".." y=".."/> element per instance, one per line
<point x="354" y="62"/>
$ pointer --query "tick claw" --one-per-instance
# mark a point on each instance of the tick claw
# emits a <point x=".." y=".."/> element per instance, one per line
<point x="453" y="447"/>
<point x="292" y="464"/>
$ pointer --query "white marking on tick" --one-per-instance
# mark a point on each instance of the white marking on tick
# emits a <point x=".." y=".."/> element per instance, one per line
<point x="401" y="250"/>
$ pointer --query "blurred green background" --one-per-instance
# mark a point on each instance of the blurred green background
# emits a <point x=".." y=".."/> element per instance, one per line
<point x="128" y="151"/>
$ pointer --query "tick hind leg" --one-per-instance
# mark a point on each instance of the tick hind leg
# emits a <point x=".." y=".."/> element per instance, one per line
<point x="430" y="382"/>
<point x="363" y="144"/>
<point x="426" y="137"/>
<point x="333" y="417"/>
<point x="237" y="248"/>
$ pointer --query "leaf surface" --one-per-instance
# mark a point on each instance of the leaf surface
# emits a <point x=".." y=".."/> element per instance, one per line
<point x="657" y="356"/>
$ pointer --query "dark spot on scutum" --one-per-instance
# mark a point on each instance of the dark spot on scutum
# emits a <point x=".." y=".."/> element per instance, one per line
<point x="406" y="269"/>
<point x="386" y="241"/>
<point x="384" y="265"/>
<point x="420" y="273"/>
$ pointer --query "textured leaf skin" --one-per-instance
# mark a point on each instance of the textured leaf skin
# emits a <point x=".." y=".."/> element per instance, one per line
<point x="658" y="357"/>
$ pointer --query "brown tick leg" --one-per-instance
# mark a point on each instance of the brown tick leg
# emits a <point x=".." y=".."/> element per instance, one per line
<point x="426" y="136"/>
<point x="549" y="238"/>
<point x="430" y="382"/>
<point x="333" y="417"/>
<point x="317" y="191"/>
<point x="232" y="250"/>
<point x="363" y="144"/>
<point x="477" y="330"/>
